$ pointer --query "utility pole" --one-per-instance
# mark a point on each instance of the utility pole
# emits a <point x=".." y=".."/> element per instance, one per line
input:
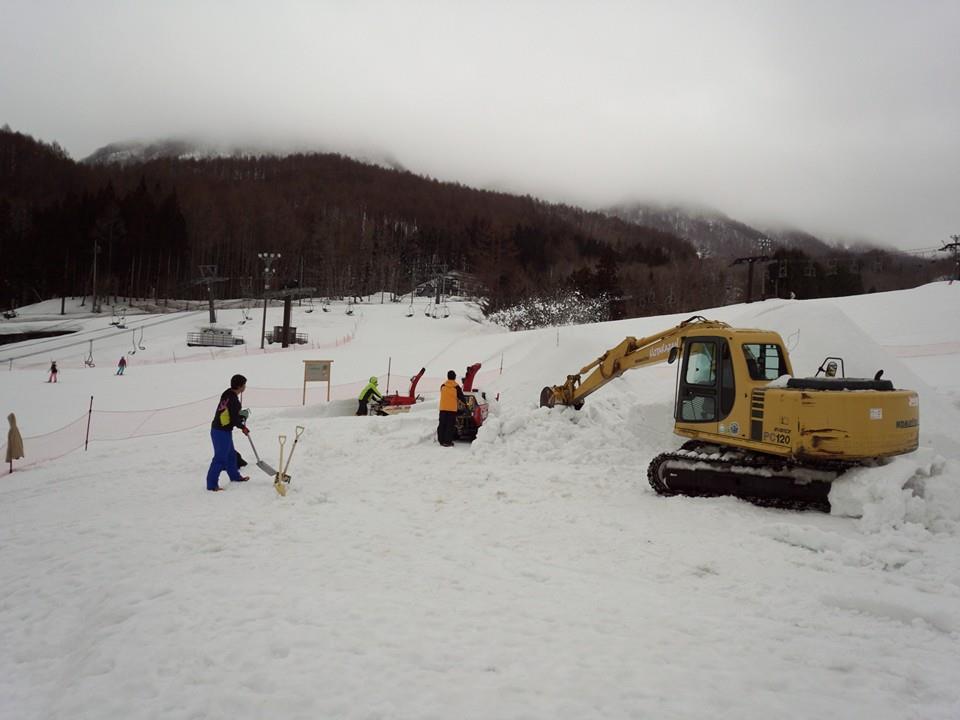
<point x="954" y="247"/>
<point x="763" y="245"/>
<point x="268" y="259"/>
<point x="93" y="300"/>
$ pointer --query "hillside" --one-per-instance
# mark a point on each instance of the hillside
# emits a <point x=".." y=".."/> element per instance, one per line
<point x="341" y="227"/>
<point x="151" y="226"/>
<point x="533" y="574"/>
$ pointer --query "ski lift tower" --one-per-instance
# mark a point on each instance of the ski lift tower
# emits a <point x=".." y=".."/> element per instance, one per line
<point x="953" y="247"/>
<point x="763" y="246"/>
<point x="208" y="276"/>
<point x="268" y="259"/>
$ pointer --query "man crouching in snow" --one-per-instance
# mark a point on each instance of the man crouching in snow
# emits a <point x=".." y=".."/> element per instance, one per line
<point x="228" y="416"/>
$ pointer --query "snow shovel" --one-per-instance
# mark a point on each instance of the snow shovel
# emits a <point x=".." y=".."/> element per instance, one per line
<point x="296" y="439"/>
<point x="277" y="484"/>
<point x="260" y="463"/>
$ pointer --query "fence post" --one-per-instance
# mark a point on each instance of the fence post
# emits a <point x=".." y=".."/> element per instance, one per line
<point x="86" y="441"/>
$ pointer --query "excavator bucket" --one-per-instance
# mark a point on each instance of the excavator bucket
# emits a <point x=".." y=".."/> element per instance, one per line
<point x="547" y="397"/>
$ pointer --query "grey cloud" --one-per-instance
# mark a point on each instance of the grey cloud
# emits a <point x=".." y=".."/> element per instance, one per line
<point x="840" y="118"/>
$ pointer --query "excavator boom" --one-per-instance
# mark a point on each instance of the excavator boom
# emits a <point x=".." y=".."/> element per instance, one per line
<point x="629" y="354"/>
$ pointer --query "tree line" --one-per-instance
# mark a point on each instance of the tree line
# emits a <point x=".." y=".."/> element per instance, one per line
<point x="342" y="227"/>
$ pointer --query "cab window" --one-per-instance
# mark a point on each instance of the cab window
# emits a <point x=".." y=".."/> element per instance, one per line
<point x="702" y="364"/>
<point x="764" y="361"/>
<point x="700" y="397"/>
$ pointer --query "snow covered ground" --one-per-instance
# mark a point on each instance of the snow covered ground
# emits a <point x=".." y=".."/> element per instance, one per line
<point x="533" y="574"/>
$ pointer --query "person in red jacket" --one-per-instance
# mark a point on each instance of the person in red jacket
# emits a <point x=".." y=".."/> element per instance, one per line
<point x="451" y="395"/>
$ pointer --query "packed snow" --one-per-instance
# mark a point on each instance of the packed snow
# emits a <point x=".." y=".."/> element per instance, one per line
<point x="532" y="574"/>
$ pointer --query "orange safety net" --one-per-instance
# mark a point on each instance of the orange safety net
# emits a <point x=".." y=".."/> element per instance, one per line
<point x="113" y="425"/>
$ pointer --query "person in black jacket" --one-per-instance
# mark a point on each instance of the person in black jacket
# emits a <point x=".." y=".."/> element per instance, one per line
<point x="228" y="416"/>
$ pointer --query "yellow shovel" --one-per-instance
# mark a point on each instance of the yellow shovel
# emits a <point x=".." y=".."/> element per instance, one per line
<point x="277" y="481"/>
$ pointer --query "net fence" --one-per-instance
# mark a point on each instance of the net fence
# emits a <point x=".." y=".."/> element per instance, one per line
<point x="116" y="425"/>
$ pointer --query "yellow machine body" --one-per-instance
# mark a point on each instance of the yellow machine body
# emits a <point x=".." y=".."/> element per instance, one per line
<point x="819" y="420"/>
<point x="731" y="391"/>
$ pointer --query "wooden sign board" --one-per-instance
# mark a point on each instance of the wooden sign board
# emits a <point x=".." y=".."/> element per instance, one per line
<point x="316" y="371"/>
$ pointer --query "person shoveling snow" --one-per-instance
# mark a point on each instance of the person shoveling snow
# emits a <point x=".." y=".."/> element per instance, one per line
<point x="228" y="416"/>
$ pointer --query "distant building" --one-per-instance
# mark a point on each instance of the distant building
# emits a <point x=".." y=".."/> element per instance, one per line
<point x="453" y="282"/>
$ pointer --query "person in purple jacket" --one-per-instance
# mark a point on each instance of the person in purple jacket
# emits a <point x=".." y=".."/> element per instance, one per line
<point x="228" y="416"/>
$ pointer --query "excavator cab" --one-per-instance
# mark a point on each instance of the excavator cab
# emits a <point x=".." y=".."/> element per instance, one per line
<point x="712" y="365"/>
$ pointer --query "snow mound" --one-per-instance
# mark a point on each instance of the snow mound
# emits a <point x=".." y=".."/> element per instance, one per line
<point x="922" y="488"/>
<point x="613" y="430"/>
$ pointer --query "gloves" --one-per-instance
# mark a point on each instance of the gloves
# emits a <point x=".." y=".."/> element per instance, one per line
<point x="244" y="429"/>
<point x="245" y="414"/>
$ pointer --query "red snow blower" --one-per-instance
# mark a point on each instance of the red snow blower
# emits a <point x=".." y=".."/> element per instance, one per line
<point x="397" y="403"/>
<point x="470" y="415"/>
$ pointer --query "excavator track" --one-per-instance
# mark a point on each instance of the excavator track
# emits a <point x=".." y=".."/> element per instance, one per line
<point x="703" y="470"/>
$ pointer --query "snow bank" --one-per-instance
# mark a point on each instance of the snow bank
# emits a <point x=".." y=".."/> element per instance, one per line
<point x="531" y="575"/>
<point x="922" y="488"/>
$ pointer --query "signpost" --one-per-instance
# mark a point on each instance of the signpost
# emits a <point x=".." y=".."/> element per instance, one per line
<point x="316" y="371"/>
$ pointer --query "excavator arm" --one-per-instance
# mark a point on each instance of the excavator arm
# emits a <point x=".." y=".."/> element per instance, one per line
<point x="629" y="354"/>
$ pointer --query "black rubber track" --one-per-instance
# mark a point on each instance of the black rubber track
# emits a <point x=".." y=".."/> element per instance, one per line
<point x="670" y="474"/>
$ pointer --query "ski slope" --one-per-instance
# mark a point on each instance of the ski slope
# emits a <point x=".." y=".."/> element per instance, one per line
<point x="533" y="574"/>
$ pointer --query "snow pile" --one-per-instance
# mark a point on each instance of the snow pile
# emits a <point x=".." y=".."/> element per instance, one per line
<point x="921" y="488"/>
<point x="567" y="308"/>
<point x="610" y="429"/>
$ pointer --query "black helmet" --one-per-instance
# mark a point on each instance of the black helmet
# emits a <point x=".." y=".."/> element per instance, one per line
<point x="237" y="382"/>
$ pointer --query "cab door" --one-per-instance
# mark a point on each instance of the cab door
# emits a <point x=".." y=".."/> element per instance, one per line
<point x="705" y="391"/>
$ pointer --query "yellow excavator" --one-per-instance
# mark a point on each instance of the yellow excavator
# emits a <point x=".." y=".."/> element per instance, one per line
<point x="756" y="432"/>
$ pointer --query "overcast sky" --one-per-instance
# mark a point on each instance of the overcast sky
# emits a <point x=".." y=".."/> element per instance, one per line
<point x="842" y="118"/>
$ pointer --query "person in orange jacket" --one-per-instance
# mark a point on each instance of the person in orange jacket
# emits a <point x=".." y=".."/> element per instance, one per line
<point x="451" y="395"/>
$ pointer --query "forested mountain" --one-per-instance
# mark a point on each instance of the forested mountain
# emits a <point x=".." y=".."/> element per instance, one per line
<point x="713" y="233"/>
<point x="342" y="226"/>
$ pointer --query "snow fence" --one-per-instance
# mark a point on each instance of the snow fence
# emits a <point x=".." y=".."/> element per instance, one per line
<point x="97" y="425"/>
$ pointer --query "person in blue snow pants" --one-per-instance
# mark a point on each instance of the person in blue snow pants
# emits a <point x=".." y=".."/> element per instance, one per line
<point x="228" y="416"/>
